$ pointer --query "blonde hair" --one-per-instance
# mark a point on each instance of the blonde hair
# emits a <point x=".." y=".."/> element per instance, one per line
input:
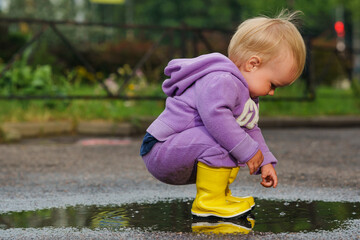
<point x="266" y="37"/>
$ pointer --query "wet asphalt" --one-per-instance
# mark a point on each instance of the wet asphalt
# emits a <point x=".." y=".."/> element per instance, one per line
<point x="314" y="164"/>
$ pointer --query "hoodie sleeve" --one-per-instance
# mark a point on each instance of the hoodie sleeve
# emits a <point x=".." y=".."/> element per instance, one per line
<point x="216" y="98"/>
<point x="256" y="134"/>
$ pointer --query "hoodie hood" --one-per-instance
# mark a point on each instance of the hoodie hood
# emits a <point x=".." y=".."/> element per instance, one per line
<point x="184" y="72"/>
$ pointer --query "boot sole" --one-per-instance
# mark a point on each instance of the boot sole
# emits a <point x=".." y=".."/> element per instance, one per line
<point x="219" y="216"/>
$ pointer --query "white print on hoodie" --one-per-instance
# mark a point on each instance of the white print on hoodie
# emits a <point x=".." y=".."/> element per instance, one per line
<point x="250" y="111"/>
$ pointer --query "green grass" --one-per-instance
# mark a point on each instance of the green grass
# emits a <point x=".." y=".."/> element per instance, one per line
<point x="328" y="102"/>
<point x="37" y="111"/>
<point x="77" y="110"/>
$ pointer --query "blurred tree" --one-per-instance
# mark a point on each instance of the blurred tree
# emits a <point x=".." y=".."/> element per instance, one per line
<point x="354" y="7"/>
<point x="318" y="15"/>
<point x="43" y="9"/>
<point x="197" y="13"/>
<point x="318" y="19"/>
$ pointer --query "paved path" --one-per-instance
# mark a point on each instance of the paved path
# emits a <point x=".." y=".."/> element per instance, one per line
<point x="314" y="164"/>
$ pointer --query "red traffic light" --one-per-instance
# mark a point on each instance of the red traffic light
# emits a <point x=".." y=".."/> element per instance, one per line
<point x="340" y="29"/>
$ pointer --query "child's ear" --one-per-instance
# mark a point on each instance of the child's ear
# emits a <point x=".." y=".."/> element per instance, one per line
<point x="252" y="63"/>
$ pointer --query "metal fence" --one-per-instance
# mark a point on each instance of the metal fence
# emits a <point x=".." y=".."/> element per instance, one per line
<point x="190" y="40"/>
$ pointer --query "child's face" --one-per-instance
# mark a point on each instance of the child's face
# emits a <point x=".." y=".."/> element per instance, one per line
<point x="264" y="78"/>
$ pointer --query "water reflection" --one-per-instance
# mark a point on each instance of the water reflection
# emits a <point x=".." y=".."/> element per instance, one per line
<point x="113" y="219"/>
<point x="175" y="216"/>
<point x="228" y="226"/>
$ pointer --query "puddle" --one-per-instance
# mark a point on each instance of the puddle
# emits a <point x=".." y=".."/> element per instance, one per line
<point x="174" y="216"/>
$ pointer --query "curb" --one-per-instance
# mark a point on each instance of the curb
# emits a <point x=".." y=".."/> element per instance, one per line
<point x="12" y="132"/>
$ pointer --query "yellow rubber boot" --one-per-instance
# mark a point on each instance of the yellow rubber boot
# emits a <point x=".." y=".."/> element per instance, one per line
<point x="210" y="197"/>
<point x="230" y="197"/>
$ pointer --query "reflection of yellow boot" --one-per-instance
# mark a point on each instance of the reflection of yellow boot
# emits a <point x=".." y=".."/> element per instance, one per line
<point x="251" y="221"/>
<point x="231" y="198"/>
<point x="223" y="227"/>
<point x="210" y="197"/>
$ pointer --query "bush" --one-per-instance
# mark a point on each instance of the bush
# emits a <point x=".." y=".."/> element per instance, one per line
<point x="10" y="42"/>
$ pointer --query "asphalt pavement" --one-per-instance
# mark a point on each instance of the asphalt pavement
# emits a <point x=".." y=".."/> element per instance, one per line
<point x="314" y="164"/>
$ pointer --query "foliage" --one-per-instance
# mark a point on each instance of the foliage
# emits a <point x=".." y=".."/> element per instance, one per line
<point x="114" y="51"/>
<point x="318" y="15"/>
<point x="109" y="56"/>
<point x="22" y="79"/>
<point x="329" y="101"/>
<point x="10" y="42"/>
<point x="41" y="55"/>
<point x="327" y="67"/>
<point x="352" y="6"/>
<point x="76" y="110"/>
<point x="355" y="86"/>
<point x="52" y="69"/>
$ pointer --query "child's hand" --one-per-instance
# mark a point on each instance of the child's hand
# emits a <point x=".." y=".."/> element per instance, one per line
<point x="255" y="162"/>
<point x="268" y="175"/>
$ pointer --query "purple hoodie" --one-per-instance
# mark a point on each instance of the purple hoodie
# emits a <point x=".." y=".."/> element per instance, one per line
<point x="210" y="91"/>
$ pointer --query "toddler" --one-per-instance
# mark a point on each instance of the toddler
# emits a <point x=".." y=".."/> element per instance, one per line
<point x="209" y="126"/>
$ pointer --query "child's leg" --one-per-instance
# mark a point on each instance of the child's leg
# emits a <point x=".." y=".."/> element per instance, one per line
<point x="174" y="161"/>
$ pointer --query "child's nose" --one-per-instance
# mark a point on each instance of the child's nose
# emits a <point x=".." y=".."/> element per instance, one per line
<point x="271" y="93"/>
